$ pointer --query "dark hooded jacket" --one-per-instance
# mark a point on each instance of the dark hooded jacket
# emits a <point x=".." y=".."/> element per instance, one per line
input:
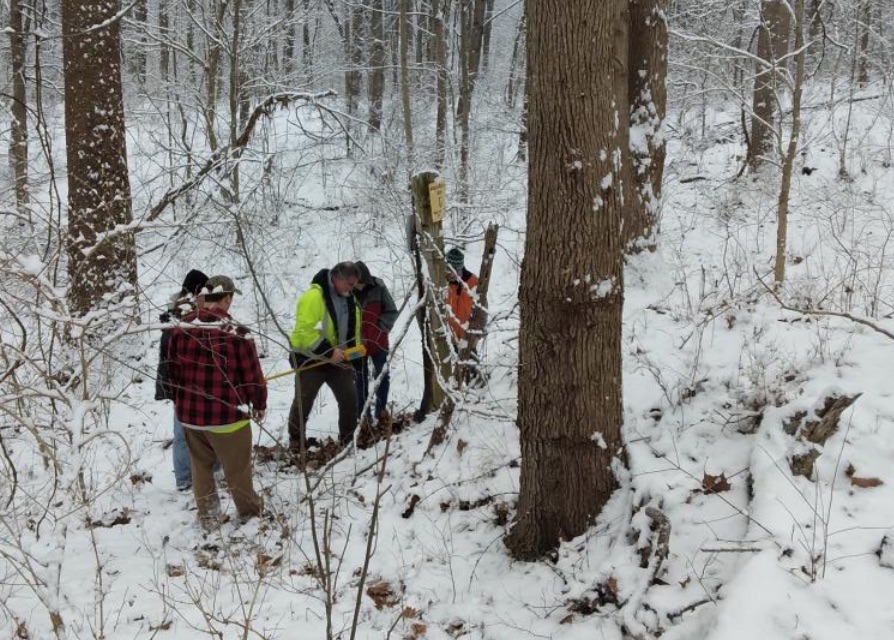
<point x="379" y="311"/>
<point x="180" y="305"/>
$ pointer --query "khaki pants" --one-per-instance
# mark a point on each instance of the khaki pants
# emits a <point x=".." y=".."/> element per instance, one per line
<point x="339" y="378"/>
<point x="234" y="452"/>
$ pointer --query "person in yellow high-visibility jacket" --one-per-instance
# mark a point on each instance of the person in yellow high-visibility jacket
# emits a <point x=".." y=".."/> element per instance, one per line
<point x="327" y="322"/>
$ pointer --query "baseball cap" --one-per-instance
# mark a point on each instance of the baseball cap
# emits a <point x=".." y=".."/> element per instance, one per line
<point x="220" y="284"/>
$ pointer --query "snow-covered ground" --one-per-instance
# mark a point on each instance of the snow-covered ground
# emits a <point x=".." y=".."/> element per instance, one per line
<point x="713" y="368"/>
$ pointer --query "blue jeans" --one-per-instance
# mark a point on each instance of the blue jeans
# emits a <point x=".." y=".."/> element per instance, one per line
<point x="379" y="359"/>
<point x="182" y="470"/>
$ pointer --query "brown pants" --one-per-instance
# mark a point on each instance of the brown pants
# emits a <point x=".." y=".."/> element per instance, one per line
<point x="339" y="378"/>
<point x="234" y="452"/>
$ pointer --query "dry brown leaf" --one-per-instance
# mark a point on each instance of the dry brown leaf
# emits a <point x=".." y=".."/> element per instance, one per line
<point x="140" y="478"/>
<point x="175" y="570"/>
<point x="461" y="446"/>
<point x="164" y="626"/>
<point x="418" y="630"/>
<point x="715" y="484"/>
<point x="866" y="483"/>
<point x="611" y="586"/>
<point x="382" y="594"/>
<point x="863" y="483"/>
<point x="567" y="619"/>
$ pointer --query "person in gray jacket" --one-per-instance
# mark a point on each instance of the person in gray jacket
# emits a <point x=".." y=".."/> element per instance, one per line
<point x="379" y="314"/>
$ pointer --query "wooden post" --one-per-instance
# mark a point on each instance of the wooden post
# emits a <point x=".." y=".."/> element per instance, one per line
<point x="429" y="203"/>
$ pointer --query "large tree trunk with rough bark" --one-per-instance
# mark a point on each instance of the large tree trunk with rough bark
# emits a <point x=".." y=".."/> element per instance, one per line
<point x="772" y="47"/>
<point x="647" y="90"/>
<point x="571" y="294"/>
<point x="101" y="249"/>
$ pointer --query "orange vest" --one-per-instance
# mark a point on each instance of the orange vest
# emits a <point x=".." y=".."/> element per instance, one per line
<point x="461" y="304"/>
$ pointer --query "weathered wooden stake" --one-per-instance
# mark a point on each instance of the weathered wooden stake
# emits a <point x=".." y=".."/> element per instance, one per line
<point x="478" y="321"/>
<point x="429" y="203"/>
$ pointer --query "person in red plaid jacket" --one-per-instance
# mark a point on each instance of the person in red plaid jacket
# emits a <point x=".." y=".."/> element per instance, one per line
<point x="218" y="388"/>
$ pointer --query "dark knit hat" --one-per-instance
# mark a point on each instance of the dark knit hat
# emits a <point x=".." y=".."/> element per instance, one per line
<point x="456" y="258"/>
<point x="365" y="275"/>
<point x="193" y="282"/>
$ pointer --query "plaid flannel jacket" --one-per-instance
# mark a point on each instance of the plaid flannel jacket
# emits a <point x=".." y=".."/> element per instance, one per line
<point x="214" y="369"/>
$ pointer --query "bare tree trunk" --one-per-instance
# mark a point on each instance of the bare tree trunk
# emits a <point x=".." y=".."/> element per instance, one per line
<point x="772" y="46"/>
<point x="306" y="50"/>
<point x="522" y="154"/>
<point x="418" y="16"/>
<point x="353" y="57"/>
<point x="101" y="252"/>
<point x="788" y="160"/>
<point x="471" y="36"/>
<point x="288" y="50"/>
<point x="439" y="20"/>
<point x="376" y="63"/>
<point x="18" y="143"/>
<point x="517" y="52"/>
<point x="164" y="26"/>
<point x="488" y="29"/>
<point x="864" y="20"/>
<point x="571" y="294"/>
<point x="140" y="16"/>
<point x="816" y="19"/>
<point x="405" y="73"/>
<point x="235" y="88"/>
<point x="647" y="90"/>
<point x="212" y="72"/>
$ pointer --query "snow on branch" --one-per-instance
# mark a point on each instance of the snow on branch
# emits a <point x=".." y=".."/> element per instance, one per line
<point x="225" y="154"/>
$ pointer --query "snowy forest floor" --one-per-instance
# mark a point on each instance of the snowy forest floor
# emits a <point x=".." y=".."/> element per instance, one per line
<point x="713" y="369"/>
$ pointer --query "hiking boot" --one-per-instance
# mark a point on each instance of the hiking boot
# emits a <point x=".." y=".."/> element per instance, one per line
<point x="212" y="521"/>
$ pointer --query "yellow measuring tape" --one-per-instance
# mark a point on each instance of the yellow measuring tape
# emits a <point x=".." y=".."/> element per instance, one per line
<point x="351" y="353"/>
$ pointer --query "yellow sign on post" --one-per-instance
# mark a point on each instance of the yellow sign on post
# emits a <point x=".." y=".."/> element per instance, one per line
<point x="437" y="197"/>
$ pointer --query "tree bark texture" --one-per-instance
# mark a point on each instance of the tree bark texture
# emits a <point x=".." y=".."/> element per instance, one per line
<point x="164" y="54"/>
<point x="772" y="47"/>
<point x="212" y="72"/>
<point x="488" y="31"/>
<point x="571" y="294"/>
<point x="404" y="29"/>
<point x="647" y="90"/>
<point x="864" y="20"/>
<point x="376" y="63"/>
<point x="102" y="254"/>
<point x="471" y="38"/>
<point x="288" y="50"/>
<point x="517" y="50"/>
<point x="439" y="20"/>
<point x="788" y="159"/>
<point x="140" y="17"/>
<point x="306" y="48"/>
<point x="18" y="143"/>
<point x="353" y="57"/>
